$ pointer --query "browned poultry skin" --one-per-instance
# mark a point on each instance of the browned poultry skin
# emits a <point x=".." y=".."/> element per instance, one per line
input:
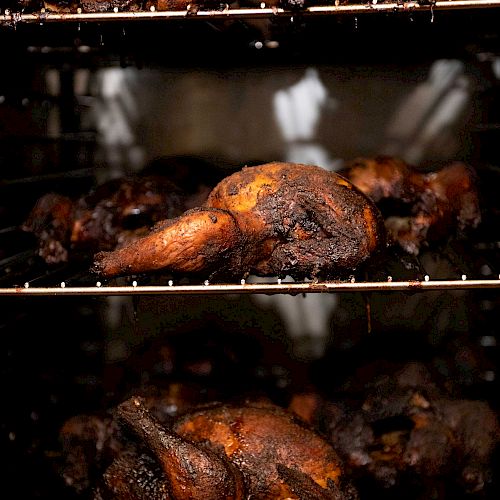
<point x="118" y="210"/>
<point x="133" y="476"/>
<point x="419" y="208"/>
<point x="406" y="430"/>
<point x="230" y="452"/>
<point x="110" y="215"/>
<point x="50" y="221"/>
<point x="200" y="239"/>
<point x="272" y="219"/>
<point x="384" y="177"/>
<point x="277" y="454"/>
<point x="192" y="472"/>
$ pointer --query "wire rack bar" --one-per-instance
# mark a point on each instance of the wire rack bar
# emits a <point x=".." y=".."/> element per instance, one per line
<point x="265" y="12"/>
<point x="253" y="288"/>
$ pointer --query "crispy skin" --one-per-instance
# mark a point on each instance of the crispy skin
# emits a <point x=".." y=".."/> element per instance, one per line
<point x="201" y="239"/>
<point x="114" y="213"/>
<point x="123" y="209"/>
<point x="192" y="472"/>
<point x="385" y="177"/>
<point x="276" y="453"/>
<point x="270" y="220"/>
<point x="229" y="452"/>
<point x="419" y="208"/>
<point x="133" y="476"/>
<point x="406" y="430"/>
<point x="50" y="221"/>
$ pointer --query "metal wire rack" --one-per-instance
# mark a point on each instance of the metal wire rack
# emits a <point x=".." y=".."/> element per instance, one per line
<point x="277" y="287"/>
<point x="264" y="11"/>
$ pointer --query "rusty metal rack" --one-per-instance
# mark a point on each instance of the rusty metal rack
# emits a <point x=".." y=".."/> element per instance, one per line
<point x="264" y="11"/>
<point x="279" y="287"/>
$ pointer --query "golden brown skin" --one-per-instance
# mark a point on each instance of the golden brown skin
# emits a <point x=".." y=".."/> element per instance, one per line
<point x="199" y="239"/>
<point x="384" y="177"/>
<point x="230" y="452"/>
<point x="191" y="472"/>
<point x="277" y="454"/>
<point x="274" y="219"/>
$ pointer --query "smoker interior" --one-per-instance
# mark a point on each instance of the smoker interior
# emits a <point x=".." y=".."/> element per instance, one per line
<point x="64" y="356"/>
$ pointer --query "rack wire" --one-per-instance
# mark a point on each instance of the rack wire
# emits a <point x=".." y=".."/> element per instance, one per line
<point x="264" y="11"/>
<point x="279" y="287"/>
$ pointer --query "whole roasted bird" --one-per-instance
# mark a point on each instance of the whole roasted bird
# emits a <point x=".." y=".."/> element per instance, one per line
<point x="113" y="213"/>
<point x="403" y="434"/>
<point x="224" y="452"/>
<point x="420" y="208"/>
<point x="274" y="219"/>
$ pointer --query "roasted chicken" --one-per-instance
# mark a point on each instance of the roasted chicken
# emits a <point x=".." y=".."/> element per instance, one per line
<point x="274" y="219"/>
<point x="113" y="213"/>
<point x="119" y="210"/>
<point x="224" y="452"/>
<point x="419" y="208"/>
<point x="50" y="221"/>
<point x="403" y="433"/>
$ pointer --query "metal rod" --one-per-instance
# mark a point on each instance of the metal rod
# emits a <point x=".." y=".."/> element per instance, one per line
<point x="354" y="9"/>
<point x="246" y="288"/>
<point x="18" y="257"/>
<point x="68" y="174"/>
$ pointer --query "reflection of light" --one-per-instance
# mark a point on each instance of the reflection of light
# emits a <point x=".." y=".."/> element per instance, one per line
<point x="496" y="67"/>
<point x="118" y="108"/>
<point x="429" y="111"/>
<point x="116" y="118"/>
<point x="298" y="108"/>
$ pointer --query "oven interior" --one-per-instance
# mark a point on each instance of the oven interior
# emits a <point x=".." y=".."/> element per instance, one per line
<point x="84" y="100"/>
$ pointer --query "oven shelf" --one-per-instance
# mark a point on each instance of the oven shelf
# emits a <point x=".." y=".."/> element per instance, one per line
<point x="372" y="7"/>
<point x="267" y="288"/>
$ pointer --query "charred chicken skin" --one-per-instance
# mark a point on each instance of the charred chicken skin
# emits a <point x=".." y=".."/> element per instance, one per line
<point x="116" y="212"/>
<point x="225" y="452"/>
<point x="419" y="208"/>
<point x="269" y="220"/>
<point x="403" y="430"/>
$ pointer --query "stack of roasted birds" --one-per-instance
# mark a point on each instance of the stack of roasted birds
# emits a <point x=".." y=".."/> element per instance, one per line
<point x="275" y="219"/>
<point x="400" y="435"/>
